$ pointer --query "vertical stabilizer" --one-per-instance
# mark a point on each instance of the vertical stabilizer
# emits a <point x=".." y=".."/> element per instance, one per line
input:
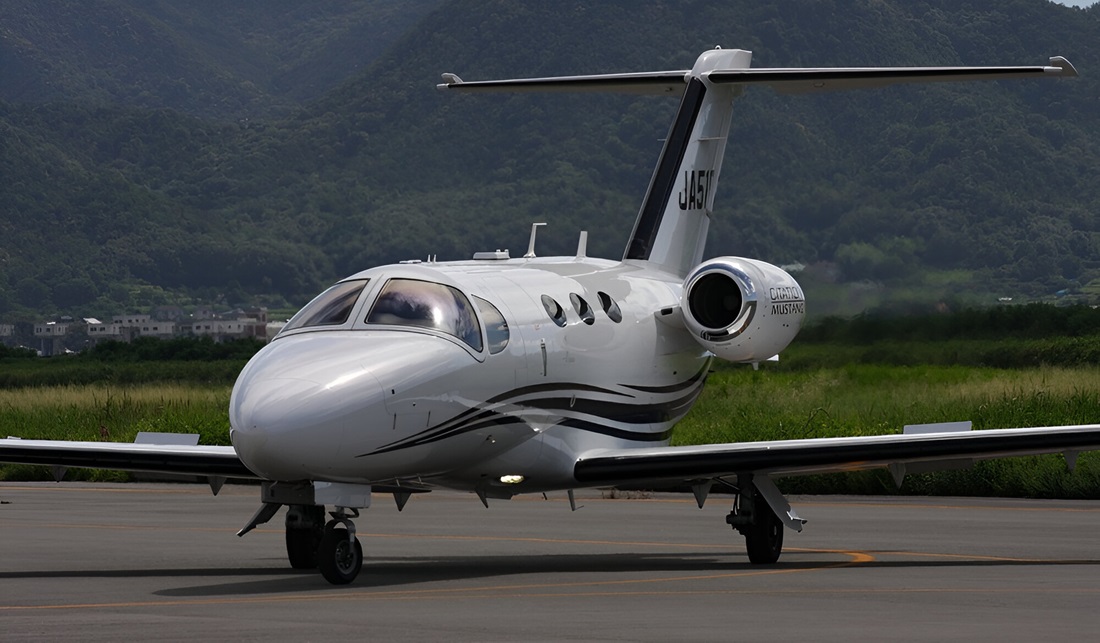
<point x="671" y="228"/>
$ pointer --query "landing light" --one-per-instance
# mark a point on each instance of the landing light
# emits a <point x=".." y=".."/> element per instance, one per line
<point x="511" y="479"/>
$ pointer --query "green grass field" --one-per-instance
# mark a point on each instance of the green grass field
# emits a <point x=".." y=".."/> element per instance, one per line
<point x="110" y="412"/>
<point x="740" y="404"/>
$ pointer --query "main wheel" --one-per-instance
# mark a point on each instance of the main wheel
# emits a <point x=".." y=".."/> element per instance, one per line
<point x="301" y="547"/>
<point x="339" y="558"/>
<point x="764" y="538"/>
<point x="304" y="531"/>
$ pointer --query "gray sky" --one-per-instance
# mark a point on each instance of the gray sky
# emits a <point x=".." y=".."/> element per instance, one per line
<point x="1077" y="3"/>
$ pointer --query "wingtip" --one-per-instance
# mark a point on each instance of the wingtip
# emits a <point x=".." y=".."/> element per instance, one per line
<point x="1067" y="69"/>
<point x="449" y="80"/>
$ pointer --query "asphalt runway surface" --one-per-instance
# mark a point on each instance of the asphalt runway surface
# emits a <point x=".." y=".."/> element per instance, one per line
<point x="113" y="562"/>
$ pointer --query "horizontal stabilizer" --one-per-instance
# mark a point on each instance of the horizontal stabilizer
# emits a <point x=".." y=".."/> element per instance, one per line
<point x="790" y="80"/>
<point x="802" y="80"/>
<point x="646" y="82"/>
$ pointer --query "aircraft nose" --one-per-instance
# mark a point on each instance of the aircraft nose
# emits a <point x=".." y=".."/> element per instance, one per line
<point x="293" y="405"/>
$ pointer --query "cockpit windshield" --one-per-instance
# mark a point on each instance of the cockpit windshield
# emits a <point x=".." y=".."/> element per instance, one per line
<point x="425" y="304"/>
<point x="330" y="308"/>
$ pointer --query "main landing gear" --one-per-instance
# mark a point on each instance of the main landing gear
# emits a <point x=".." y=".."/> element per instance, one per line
<point x="754" y="515"/>
<point x="305" y="526"/>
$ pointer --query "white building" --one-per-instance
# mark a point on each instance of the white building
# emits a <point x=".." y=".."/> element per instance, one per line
<point x="153" y="328"/>
<point x="49" y="336"/>
<point x="227" y="328"/>
<point x="98" y="330"/>
<point x="49" y="330"/>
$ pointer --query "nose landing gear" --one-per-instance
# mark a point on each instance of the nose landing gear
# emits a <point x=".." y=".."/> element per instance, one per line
<point x="311" y="542"/>
<point x="340" y="556"/>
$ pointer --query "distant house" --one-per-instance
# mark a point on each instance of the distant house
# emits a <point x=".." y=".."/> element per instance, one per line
<point x="159" y="329"/>
<point x="50" y="335"/>
<point x="102" y="331"/>
<point x="51" y="329"/>
<point x="131" y="320"/>
<point x="223" y="329"/>
<point x="124" y="328"/>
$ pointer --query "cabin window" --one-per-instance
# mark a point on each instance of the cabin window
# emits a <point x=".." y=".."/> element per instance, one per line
<point x="554" y="309"/>
<point x="496" y="327"/>
<point x="330" y="308"/>
<point x="426" y="304"/>
<point x="610" y="307"/>
<point x="582" y="308"/>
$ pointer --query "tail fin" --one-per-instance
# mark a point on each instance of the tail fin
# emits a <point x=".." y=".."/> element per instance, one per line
<point x="671" y="229"/>
<point x="672" y="224"/>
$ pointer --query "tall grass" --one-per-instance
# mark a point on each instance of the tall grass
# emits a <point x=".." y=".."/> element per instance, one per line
<point x="65" y="371"/>
<point x="745" y="405"/>
<point x="108" y="412"/>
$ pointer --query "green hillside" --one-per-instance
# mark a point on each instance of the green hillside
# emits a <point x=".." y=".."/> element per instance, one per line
<point x="955" y="191"/>
<point x="238" y="59"/>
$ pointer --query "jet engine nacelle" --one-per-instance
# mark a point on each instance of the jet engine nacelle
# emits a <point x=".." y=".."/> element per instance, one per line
<point x="742" y="310"/>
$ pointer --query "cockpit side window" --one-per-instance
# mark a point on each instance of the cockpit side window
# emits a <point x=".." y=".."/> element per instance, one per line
<point x="496" y="327"/>
<point x="425" y="304"/>
<point x="330" y="308"/>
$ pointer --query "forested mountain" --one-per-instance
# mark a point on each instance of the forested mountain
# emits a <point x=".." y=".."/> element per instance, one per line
<point x="239" y="59"/>
<point x="114" y="185"/>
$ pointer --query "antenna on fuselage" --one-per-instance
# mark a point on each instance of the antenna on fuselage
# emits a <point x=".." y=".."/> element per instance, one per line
<point x="582" y="245"/>
<point x="531" y="244"/>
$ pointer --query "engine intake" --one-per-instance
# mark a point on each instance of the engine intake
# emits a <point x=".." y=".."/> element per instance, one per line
<point x="742" y="310"/>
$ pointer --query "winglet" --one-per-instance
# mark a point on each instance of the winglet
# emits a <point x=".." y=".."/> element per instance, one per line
<point x="453" y="79"/>
<point x="1064" y="65"/>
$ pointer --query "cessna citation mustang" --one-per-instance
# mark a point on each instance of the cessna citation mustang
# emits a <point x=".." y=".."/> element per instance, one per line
<point x="502" y="376"/>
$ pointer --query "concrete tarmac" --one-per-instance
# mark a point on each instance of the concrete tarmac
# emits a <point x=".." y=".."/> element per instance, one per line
<point x="114" y="562"/>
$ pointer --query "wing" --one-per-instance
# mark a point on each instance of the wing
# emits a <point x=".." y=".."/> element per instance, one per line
<point x="212" y="462"/>
<point x="911" y="452"/>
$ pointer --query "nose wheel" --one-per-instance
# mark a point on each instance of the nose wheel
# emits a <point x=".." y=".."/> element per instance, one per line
<point x="340" y="556"/>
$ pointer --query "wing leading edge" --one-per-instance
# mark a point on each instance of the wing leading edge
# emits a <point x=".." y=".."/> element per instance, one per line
<point x="826" y="455"/>
<point x="198" y="460"/>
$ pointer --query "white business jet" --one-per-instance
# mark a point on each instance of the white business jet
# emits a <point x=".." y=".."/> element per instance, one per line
<point x="501" y="376"/>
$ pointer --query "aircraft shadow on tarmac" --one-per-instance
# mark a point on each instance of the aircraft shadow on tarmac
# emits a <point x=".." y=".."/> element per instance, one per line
<point x="406" y="572"/>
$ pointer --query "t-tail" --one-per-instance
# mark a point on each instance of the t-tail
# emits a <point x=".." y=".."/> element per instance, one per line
<point x="671" y="229"/>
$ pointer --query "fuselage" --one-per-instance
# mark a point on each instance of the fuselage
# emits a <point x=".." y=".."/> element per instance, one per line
<point x="493" y="375"/>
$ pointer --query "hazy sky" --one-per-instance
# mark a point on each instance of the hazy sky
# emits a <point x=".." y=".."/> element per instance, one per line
<point x="1077" y="3"/>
